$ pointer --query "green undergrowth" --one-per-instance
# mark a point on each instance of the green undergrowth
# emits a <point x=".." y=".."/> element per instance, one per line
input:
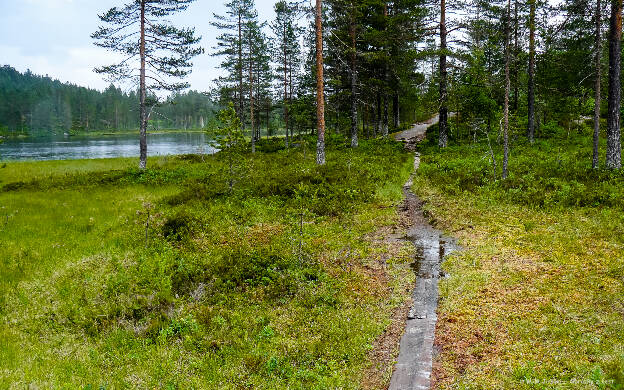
<point x="536" y="298"/>
<point x="115" y="278"/>
<point x="551" y="173"/>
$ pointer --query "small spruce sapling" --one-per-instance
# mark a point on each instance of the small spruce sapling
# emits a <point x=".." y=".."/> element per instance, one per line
<point x="302" y="196"/>
<point x="147" y="212"/>
<point x="229" y="139"/>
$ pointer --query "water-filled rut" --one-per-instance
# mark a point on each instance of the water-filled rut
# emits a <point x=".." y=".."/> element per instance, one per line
<point x="414" y="364"/>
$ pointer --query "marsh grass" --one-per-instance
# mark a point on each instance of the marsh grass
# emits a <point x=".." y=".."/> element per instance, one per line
<point x="535" y="301"/>
<point x="222" y="295"/>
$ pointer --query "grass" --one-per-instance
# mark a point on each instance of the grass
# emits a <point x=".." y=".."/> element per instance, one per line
<point x="279" y="284"/>
<point x="19" y="171"/>
<point x="536" y="299"/>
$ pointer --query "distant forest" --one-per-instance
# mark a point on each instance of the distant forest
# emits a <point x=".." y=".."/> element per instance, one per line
<point x="38" y="105"/>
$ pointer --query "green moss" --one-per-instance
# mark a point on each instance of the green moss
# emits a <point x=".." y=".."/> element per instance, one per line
<point x="534" y="300"/>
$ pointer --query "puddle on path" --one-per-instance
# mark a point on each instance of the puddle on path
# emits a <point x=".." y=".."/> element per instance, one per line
<point x="414" y="365"/>
<point x="431" y="246"/>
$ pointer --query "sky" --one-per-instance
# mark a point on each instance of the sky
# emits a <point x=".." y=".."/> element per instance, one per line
<point x="52" y="37"/>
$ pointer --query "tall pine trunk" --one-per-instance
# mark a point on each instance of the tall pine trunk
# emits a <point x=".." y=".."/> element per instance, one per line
<point x="365" y="125"/>
<point x="251" y="99"/>
<point x="290" y="95"/>
<point x="354" y="96"/>
<point x="396" y="110"/>
<point x="268" y="116"/>
<point x="320" y="87"/>
<point x="507" y="91"/>
<point x="241" y="94"/>
<point x="531" y="86"/>
<point x="443" y="122"/>
<point x="142" y="93"/>
<point x="515" y="60"/>
<point x="377" y="128"/>
<point x="258" y="132"/>
<point x="614" y="158"/>
<point x="384" y="123"/>
<point x="385" y="115"/>
<point x="595" y="159"/>
<point x="285" y="87"/>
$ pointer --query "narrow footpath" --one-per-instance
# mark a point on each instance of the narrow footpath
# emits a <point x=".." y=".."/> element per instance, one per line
<point x="414" y="364"/>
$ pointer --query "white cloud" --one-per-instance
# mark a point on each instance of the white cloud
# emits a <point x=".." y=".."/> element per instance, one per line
<point x="53" y="37"/>
<point x="73" y="65"/>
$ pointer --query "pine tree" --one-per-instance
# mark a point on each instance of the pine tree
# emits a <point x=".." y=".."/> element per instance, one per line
<point x="343" y="57"/>
<point x="320" y="86"/>
<point x="252" y="37"/>
<point x="286" y="49"/>
<point x="614" y="158"/>
<point x="163" y="51"/>
<point x="443" y="122"/>
<point x="353" y="51"/>
<point x="373" y="61"/>
<point x="231" y="46"/>
<point x="531" y="84"/>
<point x="261" y="58"/>
<point x="507" y="91"/>
<point x="597" y="56"/>
<point x="405" y="33"/>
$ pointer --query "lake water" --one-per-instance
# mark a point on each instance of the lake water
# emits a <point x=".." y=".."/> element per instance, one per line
<point x="83" y="147"/>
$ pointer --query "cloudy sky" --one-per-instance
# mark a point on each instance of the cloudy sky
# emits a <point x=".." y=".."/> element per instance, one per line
<point x="52" y="37"/>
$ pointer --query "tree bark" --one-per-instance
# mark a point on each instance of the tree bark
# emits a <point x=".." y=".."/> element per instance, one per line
<point x="384" y="123"/>
<point x="443" y="122"/>
<point x="377" y="129"/>
<point x="320" y="87"/>
<point x="290" y="94"/>
<point x="598" y="41"/>
<point x="385" y="116"/>
<point x="507" y="90"/>
<point x="515" y="59"/>
<point x="240" y="68"/>
<point x="268" y="116"/>
<point x="365" y="125"/>
<point x="531" y="86"/>
<point x="285" y="86"/>
<point x="251" y="98"/>
<point x="142" y="93"/>
<point x="258" y="132"/>
<point x="396" y="110"/>
<point x="614" y="147"/>
<point x="354" y="96"/>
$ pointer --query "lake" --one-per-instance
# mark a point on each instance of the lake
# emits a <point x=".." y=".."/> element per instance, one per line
<point x="106" y="146"/>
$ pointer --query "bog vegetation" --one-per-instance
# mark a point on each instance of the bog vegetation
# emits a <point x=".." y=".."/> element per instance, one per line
<point x="166" y="277"/>
<point x="535" y="299"/>
<point x="256" y="266"/>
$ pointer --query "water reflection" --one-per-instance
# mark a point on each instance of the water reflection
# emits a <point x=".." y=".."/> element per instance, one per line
<point x="70" y="148"/>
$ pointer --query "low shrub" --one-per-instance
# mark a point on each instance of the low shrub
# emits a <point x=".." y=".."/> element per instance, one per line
<point x="180" y="226"/>
<point x="553" y="172"/>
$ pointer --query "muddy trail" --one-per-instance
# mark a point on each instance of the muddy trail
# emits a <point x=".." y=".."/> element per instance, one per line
<point x="414" y="364"/>
<point x="415" y="134"/>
